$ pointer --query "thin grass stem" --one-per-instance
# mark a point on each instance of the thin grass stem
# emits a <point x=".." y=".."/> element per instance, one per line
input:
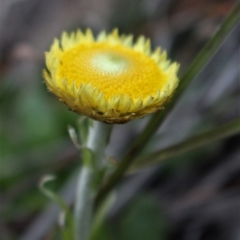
<point x="187" y="145"/>
<point x="155" y="122"/>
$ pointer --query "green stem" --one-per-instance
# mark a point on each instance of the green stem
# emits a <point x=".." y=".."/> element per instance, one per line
<point x="189" y="144"/>
<point x="86" y="189"/>
<point x="158" y="118"/>
<point x="83" y="206"/>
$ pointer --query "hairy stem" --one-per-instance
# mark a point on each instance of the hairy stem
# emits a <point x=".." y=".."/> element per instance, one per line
<point x="86" y="188"/>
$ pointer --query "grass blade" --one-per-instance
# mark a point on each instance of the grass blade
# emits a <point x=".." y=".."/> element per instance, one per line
<point x="200" y="61"/>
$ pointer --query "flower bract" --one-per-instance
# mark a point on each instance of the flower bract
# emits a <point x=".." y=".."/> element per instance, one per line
<point x="109" y="78"/>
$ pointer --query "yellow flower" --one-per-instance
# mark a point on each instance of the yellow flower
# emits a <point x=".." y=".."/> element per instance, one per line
<point x="110" y="78"/>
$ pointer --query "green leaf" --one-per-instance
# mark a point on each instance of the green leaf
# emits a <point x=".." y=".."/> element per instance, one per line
<point x="88" y="157"/>
<point x="74" y="137"/>
<point x="99" y="218"/>
<point x="84" y="124"/>
<point x="66" y="217"/>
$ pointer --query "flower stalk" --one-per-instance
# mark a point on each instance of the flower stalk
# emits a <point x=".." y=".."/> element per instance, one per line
<point x="93" y="163"/>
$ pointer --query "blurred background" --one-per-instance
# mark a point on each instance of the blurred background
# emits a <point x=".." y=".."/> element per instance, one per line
<point x="194" y="196"/>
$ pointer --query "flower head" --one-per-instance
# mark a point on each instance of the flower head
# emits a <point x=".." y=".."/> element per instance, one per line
<point x="109" y="78"/>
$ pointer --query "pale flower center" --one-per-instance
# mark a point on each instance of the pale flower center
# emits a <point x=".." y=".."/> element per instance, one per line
<point x="109" y="63"/>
